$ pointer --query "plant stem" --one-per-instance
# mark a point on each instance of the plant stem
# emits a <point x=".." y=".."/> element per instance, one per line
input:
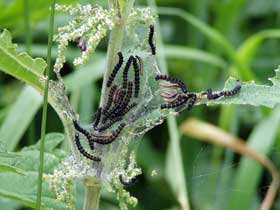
<point x="45" y="109"/>
<point x="92" y="197"/>
<point x="115" y="42"/>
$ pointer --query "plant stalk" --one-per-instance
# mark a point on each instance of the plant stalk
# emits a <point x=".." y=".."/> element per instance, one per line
<point x="45" y="109"/>
<point x="92" y="196"/>
<point x="115" y="42"/>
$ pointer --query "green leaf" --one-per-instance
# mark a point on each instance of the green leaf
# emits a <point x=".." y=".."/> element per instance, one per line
<point x="249" y="172"/>
<point x="83" y="75"/>
<point x="252" y="93"/>
<point x="8" y="168"/>
<point x="23" y="188"/>
<point x="9" y="204"/>
<point x="19" y="117"/>
<point x="172" y="51"/>
<point x="20" y="65"/>
<point x="15" y="196"/>
<point x="4" y="155"/>
<point x="28" y="157"/>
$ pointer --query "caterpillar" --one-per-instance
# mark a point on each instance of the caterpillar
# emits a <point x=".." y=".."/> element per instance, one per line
<point x="115" y="70"/>
<point x="119" y="109"/>
<point x="126" y="69"/>
<point x="151" y="39"/>
<point x="136" y="77"/>
<point x="84" y="132"/>
<point x="110" y="98"/>
<point x="226" y="93"/>
<point x="81" y="130"/>
<point x="115" y="112"/>
<point x="128" y="108"/>
<point x="127" y="183"/>
<point x="109" y="114"/>
<point x="81" y="44"/>
<point x="97" y="118"/>
<point x="110" y="137"/>
<point x="178" y="102"/>
<point x="211" y="95"/>
<point x="167" y="78"/>
<point x="109" y="124"/>
<point x="140" y="64"/>
<point x="234" y="91"/>
<point x="128" y="96"/>
<point x="83" y="151"/>
<point x="192" y="101"/>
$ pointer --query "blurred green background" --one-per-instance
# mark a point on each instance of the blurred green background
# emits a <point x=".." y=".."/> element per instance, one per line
<point x="205" y="42"/>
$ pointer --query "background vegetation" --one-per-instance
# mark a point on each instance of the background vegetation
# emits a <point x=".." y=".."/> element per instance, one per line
<point x="205" y="42"/>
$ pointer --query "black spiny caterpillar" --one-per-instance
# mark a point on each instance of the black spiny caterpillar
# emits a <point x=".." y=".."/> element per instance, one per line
<point x="115" y="70"/>
<point x="151" y="39"/>
<point x="83" y="151"/>
<point x="125" y="71"/>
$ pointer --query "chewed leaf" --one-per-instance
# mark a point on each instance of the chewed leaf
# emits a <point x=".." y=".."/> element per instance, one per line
<point x="253" y="94"/>
<point x="22" y="168"/>
<point x="20" y="65"/>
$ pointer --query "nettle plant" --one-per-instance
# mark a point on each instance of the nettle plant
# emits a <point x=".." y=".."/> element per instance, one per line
<point x="136" y="96"/>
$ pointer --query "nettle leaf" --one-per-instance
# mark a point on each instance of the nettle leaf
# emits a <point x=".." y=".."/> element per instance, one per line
<point x="20" y="65"/>
<point x="252" y="93"/>
<point x="23" y="189"/>
<point x="23" y="173"/>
